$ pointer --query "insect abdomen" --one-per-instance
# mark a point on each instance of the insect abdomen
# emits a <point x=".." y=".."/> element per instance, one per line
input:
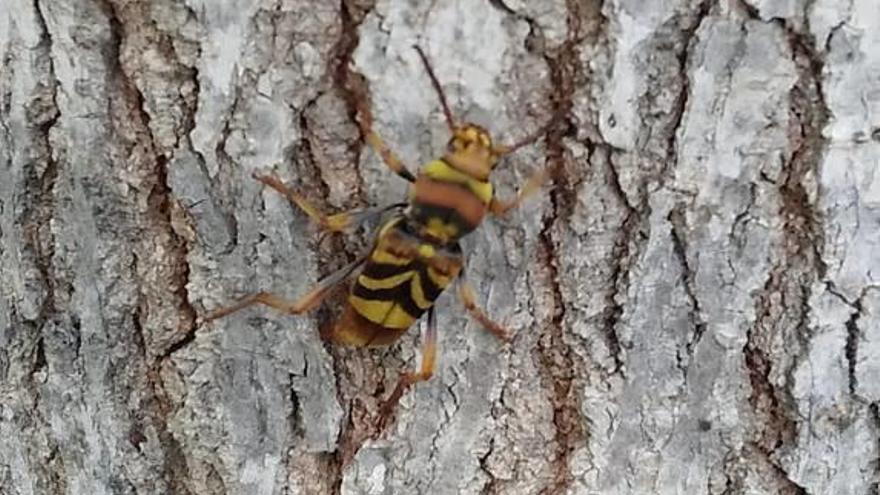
<point x="389" y="295"/>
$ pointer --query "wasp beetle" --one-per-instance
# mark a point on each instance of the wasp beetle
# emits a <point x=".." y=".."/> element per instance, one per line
<point x="416" y="254"/>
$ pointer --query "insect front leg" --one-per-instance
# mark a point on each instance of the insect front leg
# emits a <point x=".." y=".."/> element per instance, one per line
<point x="533" y="184"/>
<point x="469" y="300"/>
<point x="333" y="223"/>
<point x="506" y="149"/>
<point x="426" y="370"/>
<point x="389" y="157"/>
<point x="301" y="305"/>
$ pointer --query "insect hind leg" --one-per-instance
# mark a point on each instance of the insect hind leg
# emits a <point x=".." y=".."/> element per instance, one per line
<point x="407" y="380"/>
<point x="301" y="305"/>
<point x="469" y="301"/>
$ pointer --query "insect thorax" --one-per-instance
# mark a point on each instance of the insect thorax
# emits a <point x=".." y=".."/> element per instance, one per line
<point x="447" y="204"/>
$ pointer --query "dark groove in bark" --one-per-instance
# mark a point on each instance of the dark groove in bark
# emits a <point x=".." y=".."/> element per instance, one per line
<point x="676" y="216"/>
<point x="5" y="109"/>
<point x="851" y="351"/>
<point x="224" y="160"/>
<point x="787" y="485"/>
<point x="809" y="114"/>
<point x="158" y="406"/>
<point x="503" y="7"/>
<point x="750" y="10"/>
<point x="770" y="405"/>
<point x="801" y="264"/>
<point x="492" y="487"/>
<point x="160" y="197"/>
<point x="223" y="157"/>
<point x="633" y="230"/>
<point x="678" y="221"/>
<point x="680" y="106"/>
<point x="874" y="409"/>
<point x="43" y="116"/>
<point x="304" y="154"/>
<point x="350" y="85"/>
<point x="621" y="258"/>
<point x="553" y="352"/>
<point x="159" y="215"/>
<point x="358" y="424"/>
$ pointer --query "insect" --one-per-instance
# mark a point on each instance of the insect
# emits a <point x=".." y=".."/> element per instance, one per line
<point x="416" y="254"/>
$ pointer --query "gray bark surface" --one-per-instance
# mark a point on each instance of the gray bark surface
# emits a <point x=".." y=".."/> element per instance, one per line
<point x="695" y="302"/>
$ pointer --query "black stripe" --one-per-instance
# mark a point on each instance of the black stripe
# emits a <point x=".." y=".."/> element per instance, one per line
<point x="422" y="212"/>
<point x="379" y="271"/>
<point x="450" y="216"/>
<point x="399" y="294"/>
<point x="429" y="288"/>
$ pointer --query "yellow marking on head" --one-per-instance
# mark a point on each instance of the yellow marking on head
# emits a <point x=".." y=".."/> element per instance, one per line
<point x="442" y="171"/>
<point x="471" y="135"/>
<point x="418" y="294"/>
<point x="385" y="283"/>
<point x="470" y="150"/>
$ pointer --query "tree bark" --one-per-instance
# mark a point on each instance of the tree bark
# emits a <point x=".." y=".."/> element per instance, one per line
<point x="695" y="303"/>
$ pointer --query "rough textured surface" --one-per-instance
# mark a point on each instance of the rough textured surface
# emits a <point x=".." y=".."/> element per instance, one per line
<point x="696" y="303"/>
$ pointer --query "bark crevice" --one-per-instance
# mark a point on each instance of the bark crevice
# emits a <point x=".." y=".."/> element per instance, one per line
<point x="158" y="225"/>
<point x="783" y="304"/>
<point x="43" y="114"/>
<point x="554" y="352"/>
<point x="677" y="220"/>
<point x="680" y="104"/>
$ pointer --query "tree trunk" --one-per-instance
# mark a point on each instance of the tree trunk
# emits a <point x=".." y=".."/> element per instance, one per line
<point x="695" y="303"/>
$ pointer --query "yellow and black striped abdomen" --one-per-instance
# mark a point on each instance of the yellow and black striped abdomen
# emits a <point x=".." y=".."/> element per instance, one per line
<point x="396" y="285"/>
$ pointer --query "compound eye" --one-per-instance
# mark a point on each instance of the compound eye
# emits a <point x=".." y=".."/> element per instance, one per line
<point x="455" y="144"/>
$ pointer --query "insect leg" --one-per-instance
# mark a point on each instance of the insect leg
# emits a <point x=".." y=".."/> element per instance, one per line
<point x="533" y="184"/>
<point x="376" y="142"/>
<point x="502" y="150"/>
<point x="468" y="299"/>
<point x="301" y="305"/>
<point x="426" y="370"/>
<point x="332" y="223"/>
